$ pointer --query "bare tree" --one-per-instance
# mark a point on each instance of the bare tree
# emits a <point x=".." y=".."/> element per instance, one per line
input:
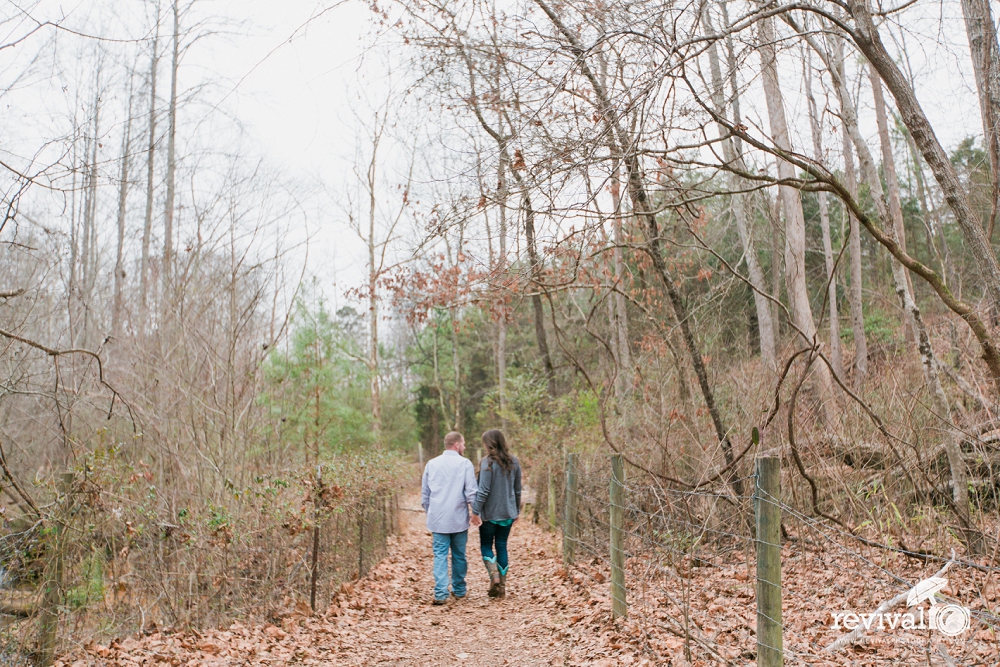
<point x="123" y="186"/>
<point x="866" y="36"/>
<point x="169" y="204"/>
<point x="982" y="34"/>
<point x="953" y="437"/>
<point x="854" y="232"/>
<point x="795" y="229"/>
<point x="815" y="122"/>
<point x="765" y="323"/>
<point x="378" y="235"/>
<point x="147" y="227"/>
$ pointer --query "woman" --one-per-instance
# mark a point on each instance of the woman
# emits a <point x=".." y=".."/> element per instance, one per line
<point x="498" y="504"/>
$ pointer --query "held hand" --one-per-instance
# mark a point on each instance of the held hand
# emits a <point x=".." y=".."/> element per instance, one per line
<point x="476" y="521"/>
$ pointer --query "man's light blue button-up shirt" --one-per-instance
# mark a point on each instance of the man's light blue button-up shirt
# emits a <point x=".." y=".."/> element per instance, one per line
<point x="449" y="487"/>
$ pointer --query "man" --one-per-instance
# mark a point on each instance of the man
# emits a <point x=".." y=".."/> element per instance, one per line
<point x="449" y="487"/>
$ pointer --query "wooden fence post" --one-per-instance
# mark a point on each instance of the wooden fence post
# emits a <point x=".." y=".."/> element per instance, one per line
<point x="361" y="537"/>
<point x="767" y="511"/>
<point x="48" y="630"/>
<point x="317" y="511"/>
<point x="552" y="499"/>
<point x="569" y="516"/>
<point x="395" y="513"/>
<point x="385" y="521"/>
<point x="619" y="602"/>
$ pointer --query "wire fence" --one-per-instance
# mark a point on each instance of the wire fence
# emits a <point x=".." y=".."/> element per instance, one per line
<point x="725" y="577"/>
<point x="88" y="575"/>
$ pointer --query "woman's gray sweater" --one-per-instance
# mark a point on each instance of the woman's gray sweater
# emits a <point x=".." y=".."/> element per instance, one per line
<point x="499" y="495"/>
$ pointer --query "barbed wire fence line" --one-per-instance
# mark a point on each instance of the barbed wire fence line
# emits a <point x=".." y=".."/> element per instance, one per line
<point x="709" y="575"/>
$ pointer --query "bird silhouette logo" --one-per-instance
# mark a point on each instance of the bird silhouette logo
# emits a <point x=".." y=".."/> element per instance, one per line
<point x="925" y="590"/>
<point x="948" y="619"/>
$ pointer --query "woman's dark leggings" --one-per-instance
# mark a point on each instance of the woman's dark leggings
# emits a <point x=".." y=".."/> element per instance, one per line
<point x="490" y="532"/>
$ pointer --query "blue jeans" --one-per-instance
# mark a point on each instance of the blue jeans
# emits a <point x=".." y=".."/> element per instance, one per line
<point x="489" y="533"/>
<point x="455" y="542"/>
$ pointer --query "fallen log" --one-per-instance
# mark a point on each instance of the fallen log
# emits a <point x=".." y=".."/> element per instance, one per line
<point x="18" y="603"/>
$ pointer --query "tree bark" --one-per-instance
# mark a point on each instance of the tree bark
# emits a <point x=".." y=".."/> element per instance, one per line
<point x="88" y="254"/>
<point x="147" y="227"/>
<point x="900" y="276"/>
<point x="168" y="215"/>
<point x="617" y="314"/>
<point x="536" y="298"/>
<point x="855" y="290"/>
<point x="116" y="311"/>
<point x="373" y="358"/>
<point x="501" y="269"/>
<point x="795" y="226"/>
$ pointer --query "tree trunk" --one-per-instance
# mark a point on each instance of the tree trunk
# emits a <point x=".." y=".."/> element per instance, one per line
<point x="74" y="243"/>
<point x="959" y="476"/>
<point x="895" y="205"/>
<point x="456" y="364"/>
<point x="168" y="215"/>
<point x="455" y="358"/>
<point x="122" y="197"/>
<point x="621" y="313"/>
<point x="854" y="245"/>
<point x="851" y="138"/>
<point x="930" y="216"/>
<point x="836" y="357"/>
<point x="147" y="227"/>
<point x="617" y="313"/>
<point x="88" y="255"/>
<point x="765" y="323"/>
<point x="501" y="271"/>
<point x="773" y="208"/>
<point x="869" y="42"/>
<point x="373" y="359"/>
<point x="795" y="226"/>
<point x="536" y="298"/>
<point x="982" y="34"/>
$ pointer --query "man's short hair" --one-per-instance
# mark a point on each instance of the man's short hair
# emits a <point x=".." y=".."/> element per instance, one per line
<point x="453" y="439"/>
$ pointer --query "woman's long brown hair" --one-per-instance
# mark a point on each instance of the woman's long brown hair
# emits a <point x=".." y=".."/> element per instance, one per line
<point x="496" y="449"/>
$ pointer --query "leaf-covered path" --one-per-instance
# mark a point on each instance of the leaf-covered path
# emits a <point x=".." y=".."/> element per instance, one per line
<point x="387" y="618"/>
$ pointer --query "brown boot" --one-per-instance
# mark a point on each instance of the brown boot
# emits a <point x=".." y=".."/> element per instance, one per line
<point x="495" y="581"/>
<point x="502" y="593"/>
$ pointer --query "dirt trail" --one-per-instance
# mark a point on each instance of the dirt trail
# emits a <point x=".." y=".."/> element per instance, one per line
<point x="387" y="618"/>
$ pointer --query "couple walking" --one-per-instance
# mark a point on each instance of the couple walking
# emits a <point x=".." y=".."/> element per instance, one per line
<point x="449" y="488"/>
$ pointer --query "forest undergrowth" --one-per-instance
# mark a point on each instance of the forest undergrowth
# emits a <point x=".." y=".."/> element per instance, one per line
<point x="558" y="615"/>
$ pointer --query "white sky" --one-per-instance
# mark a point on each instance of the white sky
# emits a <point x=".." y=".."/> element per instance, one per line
<point x="297" y="98"/>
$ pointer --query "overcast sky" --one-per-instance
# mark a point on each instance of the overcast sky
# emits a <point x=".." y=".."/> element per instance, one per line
<point x="291" y="72"/>
<point x="297" y="97"/>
